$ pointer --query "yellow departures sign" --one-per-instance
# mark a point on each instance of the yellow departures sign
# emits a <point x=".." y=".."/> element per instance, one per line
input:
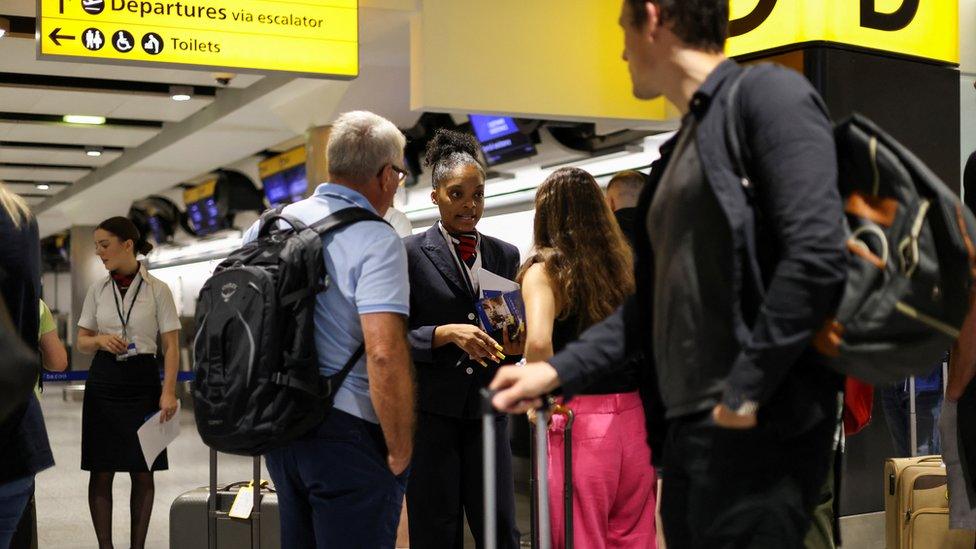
<point x="927" y="29"/>
<point x="306" y="37"/>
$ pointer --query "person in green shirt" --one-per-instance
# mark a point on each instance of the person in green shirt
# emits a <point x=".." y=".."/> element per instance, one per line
<point x="55" y="358"/>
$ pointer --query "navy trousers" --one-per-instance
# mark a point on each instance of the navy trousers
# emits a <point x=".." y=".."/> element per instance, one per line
<point x="335" y="488"/>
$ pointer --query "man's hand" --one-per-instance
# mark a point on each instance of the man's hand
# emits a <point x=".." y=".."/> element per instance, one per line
<point x="167" y="404"/>
<point x="726" y="418"/>
<point x="397" y="465"/>
<point x="520" y="388"/>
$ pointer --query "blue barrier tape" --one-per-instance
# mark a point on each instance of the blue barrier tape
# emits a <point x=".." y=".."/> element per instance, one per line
<point x="63" y="377"/>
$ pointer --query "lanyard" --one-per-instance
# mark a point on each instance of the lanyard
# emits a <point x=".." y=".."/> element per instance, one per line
<point x="120" y="308"/>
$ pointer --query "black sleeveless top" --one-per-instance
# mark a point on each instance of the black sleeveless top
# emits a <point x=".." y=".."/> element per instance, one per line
<point x="566" y="331"/>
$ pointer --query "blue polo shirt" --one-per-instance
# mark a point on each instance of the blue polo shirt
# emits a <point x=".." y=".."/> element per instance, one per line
<point x="368" y="267"/>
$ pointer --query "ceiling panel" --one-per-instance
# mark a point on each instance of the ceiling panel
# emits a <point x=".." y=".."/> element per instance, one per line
<point x="16" y="100"/>
<point x="141" y="107"/>
<point x="42" y="174"/>
<point x="110" y="136"/>
<point x="26" y="188"/>
<point x="19" y="55"/>
<point x="28" y="155"/>
<point x="34" y="200"/>
<point x="110" y="104"/>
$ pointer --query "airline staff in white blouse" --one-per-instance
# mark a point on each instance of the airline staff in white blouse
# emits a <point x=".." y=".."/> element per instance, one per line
<point x="123" y="316"/>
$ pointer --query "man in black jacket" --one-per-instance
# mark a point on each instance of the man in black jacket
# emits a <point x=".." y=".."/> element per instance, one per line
<point x="732" y="286"/>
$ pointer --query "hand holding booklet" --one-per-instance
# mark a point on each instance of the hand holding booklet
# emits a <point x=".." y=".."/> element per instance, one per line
<point x="501" y="305"/>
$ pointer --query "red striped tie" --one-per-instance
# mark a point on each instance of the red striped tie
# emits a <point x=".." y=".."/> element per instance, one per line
<point x="467" y="247"/>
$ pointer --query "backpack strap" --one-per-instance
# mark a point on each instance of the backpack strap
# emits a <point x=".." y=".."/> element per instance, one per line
<point x="734" y="134"/>
<point x="343" y="218"/>
<point x="335" y="221"/>
<point x="331" y="383"/>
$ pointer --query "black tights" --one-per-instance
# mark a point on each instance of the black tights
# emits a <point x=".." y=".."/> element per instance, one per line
<point x="140" y="507"/>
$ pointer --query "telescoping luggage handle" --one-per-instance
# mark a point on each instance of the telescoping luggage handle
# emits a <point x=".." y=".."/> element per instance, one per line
<point x="213" y="513"/>
<point x="541" y="534"/>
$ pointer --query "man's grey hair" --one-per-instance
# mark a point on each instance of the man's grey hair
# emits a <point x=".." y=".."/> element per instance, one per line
<point x="361" y="144"/>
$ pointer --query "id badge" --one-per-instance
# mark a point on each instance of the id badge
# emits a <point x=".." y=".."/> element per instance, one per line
<point x="130" y="351"/>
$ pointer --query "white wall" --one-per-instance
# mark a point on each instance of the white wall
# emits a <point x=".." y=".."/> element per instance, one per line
<point x="56" y="291"/>
<point x="967" y="68"/>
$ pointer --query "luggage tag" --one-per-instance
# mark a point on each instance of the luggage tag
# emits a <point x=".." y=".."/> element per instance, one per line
<point x="243" y="502"/>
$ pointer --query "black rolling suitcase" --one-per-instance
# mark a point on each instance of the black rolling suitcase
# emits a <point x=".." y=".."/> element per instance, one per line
<point x="541" y="537"/>
<point x="199" y="519"/>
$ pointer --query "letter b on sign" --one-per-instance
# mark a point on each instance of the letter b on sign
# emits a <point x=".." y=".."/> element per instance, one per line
<point x="902" y="17"/>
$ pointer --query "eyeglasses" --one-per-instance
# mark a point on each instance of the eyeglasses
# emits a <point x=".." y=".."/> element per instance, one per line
<point x="401" y="173"/>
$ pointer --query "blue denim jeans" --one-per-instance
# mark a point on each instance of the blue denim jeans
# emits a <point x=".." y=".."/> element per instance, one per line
<point x="14" y="496"/>
<point x="335" y="488"/>
<point x="896" y="404"/>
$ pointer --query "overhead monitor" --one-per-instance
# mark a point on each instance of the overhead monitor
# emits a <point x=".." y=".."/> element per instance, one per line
<point x="283" y="177"/>
<point x="202" y="210"/>
<point x="500" y="138"/>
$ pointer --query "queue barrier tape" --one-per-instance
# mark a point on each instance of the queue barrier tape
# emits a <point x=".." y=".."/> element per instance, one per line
<point x="66" y="377"/>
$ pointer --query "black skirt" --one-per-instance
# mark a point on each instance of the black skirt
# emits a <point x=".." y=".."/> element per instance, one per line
<point x="119" y="397"/>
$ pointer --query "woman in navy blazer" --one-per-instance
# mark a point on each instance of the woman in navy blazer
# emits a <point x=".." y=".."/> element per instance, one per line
<point x="454" y="357"/>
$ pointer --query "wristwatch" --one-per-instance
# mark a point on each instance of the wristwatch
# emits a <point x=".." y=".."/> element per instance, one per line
<point x="740" y="406"/>
<point x="747" y="408"/>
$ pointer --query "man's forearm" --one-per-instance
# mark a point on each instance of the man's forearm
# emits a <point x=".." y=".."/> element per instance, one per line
<point x="391" y="388"/>
<point x="600" y="351"/>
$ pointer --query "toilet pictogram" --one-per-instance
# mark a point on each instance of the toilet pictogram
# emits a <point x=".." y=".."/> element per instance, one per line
<point x="93" y="39"/>
<point x="123" y="41"/>
<point x="93" y="7"/>
<point x="152" y="43"/>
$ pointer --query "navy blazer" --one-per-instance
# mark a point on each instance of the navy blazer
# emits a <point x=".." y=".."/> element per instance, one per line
<point x="439" y="296"/>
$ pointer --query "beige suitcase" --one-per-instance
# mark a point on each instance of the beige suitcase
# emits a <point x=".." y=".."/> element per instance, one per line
<point x="929" y="529"/>
<point x="917" y="506"/>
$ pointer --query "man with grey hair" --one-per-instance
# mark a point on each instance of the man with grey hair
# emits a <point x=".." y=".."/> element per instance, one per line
<point x="342" y="484"/>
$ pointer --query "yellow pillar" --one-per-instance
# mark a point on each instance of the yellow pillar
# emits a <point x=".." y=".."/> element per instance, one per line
<point x="316" y="161"/>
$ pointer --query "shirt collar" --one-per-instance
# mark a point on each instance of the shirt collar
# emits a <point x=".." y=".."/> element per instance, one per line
<point x="142" y="273"/>
<point x="702" y="98"/>
<point x="450" y="239"/>
<point x="345" y="192"/>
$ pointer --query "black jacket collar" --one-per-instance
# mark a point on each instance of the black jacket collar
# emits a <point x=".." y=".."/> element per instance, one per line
<point x="439" y="252"/>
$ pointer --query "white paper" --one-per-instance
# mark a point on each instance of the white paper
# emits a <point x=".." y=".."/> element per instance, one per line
<point x="154" y="436"/>
<point x="490" y="282"/>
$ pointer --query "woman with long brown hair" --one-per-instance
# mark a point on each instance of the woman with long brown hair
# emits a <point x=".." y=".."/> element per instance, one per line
<point x="580" y="273"/>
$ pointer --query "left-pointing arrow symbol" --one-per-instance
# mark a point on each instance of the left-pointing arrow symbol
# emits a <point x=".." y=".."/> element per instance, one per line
<point x="55" y="37"/>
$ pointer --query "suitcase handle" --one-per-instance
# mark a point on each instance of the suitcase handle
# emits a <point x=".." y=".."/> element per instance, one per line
<point x="255" y="512"/>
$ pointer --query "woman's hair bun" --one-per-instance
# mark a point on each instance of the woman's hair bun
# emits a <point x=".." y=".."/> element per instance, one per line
<point x="448" y="142"/>
<point x="144" y="247"/>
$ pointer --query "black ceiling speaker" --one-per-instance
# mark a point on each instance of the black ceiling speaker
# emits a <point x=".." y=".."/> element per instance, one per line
<point x="156" y="217"/>
<point x="583" y="137"/>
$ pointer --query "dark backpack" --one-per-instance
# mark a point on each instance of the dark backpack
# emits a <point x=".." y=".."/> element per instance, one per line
<point x="257" y="383"/>
<point x="911" y="262"/>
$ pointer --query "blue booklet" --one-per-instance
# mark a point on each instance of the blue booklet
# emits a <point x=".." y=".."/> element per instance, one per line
<point x="500" y="310"/>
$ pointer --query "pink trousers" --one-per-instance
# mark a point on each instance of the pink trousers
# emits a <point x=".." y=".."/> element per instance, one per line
<point x="614" y="485"/>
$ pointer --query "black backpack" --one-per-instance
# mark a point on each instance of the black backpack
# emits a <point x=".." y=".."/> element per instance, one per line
<point x="911" y="262"/>
<point x="257" y="382"/>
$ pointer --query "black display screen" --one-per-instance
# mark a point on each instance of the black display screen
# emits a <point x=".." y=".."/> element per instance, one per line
<point x="286" y="187"/>
<point x="205" y="217"/>
<point x="501" y="141"/>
